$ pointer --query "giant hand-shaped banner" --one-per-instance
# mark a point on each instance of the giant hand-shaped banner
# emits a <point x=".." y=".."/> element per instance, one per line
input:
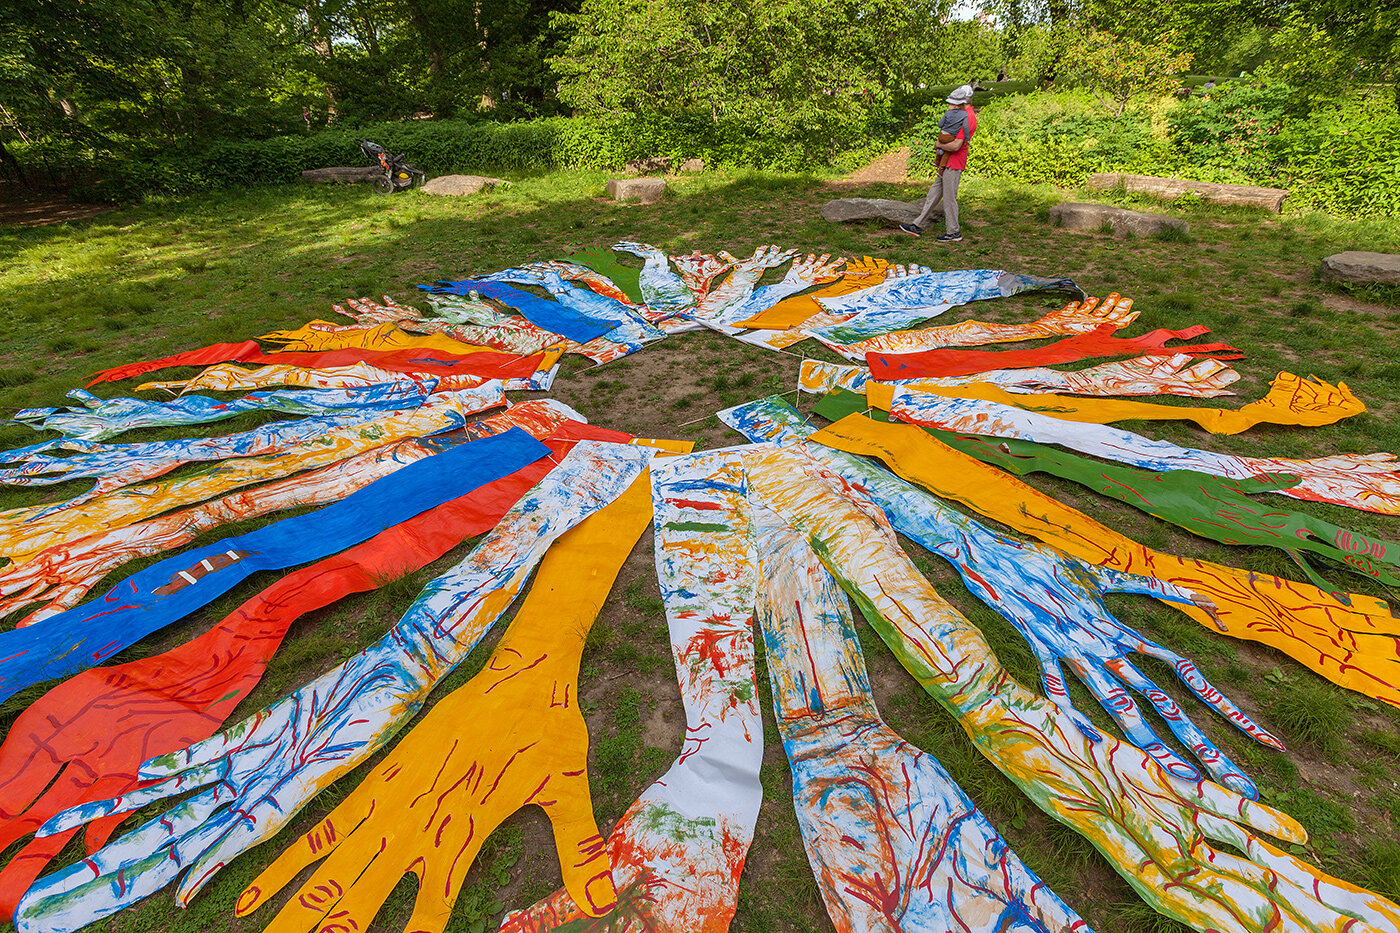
<point x="1077" y="317"/>
<point x="257" y="775"/>
<point x="678" y="851"/>
<point x="1055" y="602"/>
<point x="486" y="363"/>
<point x="803" y="274"/>
<point x="1361" y="481"/>
<point x="713" y="304"/>
<point x="631" y="330"/>
<point x="321" y="336"/>
<point x="1292" y="400"/>
<point x="225" y="377"/>
<point x="1225" y="510"/>
<point x="912" y="294"/>
<point x="512" y="736"/>
<point x="548" y="315"/>
<point x="1354" y="646"/>
<point x="789" y="313"/>
<point x="664" y="295"/>
<point x="169" y="590"/>
<point x="894" y="842"/>
<point x="944" y="362"/>
<point x="99" y="726"/>
<point x="98" y="419"/>
<point x="1154" y="829"/>
<point x="1148" y="375"/>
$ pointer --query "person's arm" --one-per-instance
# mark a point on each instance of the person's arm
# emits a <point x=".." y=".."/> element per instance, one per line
<point x="953" y="146"/>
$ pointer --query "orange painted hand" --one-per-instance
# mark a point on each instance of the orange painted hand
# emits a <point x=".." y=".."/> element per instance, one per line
<point x="511" y="736"/>
<point x="1087" y="316"/>
<point x="802" y="309"/>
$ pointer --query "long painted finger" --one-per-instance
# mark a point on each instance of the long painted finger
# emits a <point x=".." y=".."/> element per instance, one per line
<point x="1216" y="762"/>
<point x="1120" y="705"/>
<point x="135" y="800"/>
<point x="1052" y="681"/>
<point x="1218" y="800"/>
<point x="1196" y="682"/>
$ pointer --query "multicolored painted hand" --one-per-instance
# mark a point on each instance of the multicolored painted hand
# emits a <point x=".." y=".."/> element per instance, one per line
<point x="251" y="779"/>
<point x="512" y="736"/>
<point x="1054" y="601"/>
<point x="678" y="851"/>
<point x="803" y="274"/>
<point x="799" y="310"/>
<point x="1360" y="481"/>
<point x="1077" y="317"/>
<point x="1181" y="375"/>
<point x="739" y="284"/>
<point x="1156" y="830"/>
<point x="662" y="289"/>
<point x="894" y="842"/>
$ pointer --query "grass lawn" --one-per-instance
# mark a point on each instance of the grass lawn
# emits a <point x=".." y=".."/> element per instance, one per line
<point x="146" y="281"/>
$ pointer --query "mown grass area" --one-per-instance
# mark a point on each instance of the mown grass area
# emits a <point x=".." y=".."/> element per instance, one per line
<point x="166" y="276"/>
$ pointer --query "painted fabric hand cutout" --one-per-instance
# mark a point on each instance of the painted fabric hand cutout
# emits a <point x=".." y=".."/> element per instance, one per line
<point x="367" y="312"/>
<point x="1291" y="400"/>
<point x="1156" y="830"/>
<point x="629" y="333"/>
<point x="678" y="851"/>
<point x="1360" y="481"/>
<point x="152" y="598"/>
<point x="511" y="736"/>
<point x="789" y="313"/>
<point x="321" y="336"/>
<point x="99" y="726"/>
<point x="23" y="533"/>
<point x="1100" y="342"/>
<point x="916" y="293"/>
<point x="251" y="779"/>
<point x="484" y="363"/>
<point x="1149" y="375"/>
<point x="543" y="313"/>
<point x="803" y="274"/>
<point x="1353" y="646"/>
<point x="894" y="842"/>
<point x="1077" y="317"/>
<point x="225" y="377"/>
<point x="1054" y="602"/>
<point x="739" y="284"/>
<point x="664" y="295"/>
<point x="97" y="419"/>
<point x="1225" y="510"/>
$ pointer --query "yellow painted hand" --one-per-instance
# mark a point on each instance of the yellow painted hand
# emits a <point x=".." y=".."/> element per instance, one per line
<point x="511" y="736"/>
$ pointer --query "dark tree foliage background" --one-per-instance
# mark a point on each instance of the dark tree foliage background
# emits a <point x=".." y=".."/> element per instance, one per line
<point x="127" y="79"/>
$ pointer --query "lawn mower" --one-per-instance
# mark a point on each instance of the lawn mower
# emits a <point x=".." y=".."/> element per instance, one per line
<point x="397" y="173"/>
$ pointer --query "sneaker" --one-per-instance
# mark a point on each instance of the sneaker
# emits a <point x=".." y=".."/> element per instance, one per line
<point x="912" y="229"/>
<point x="954" y="237"/>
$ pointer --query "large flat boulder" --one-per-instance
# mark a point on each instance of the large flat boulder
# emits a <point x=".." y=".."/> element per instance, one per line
<point x="641" y="190"/>
<point x="850" y="210"/>
<point x="1076" y="215"/>
<point x="459" y="184"/>
<point x="1269" y="199"/>
<point x="342" y="174"/>
<point x="1356" y="267"/>
<point x="649" y="166"/>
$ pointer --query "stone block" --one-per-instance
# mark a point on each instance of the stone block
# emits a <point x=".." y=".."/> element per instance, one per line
<point x="850" y="210"/>
<point x="651" y="166"/>
<point x="1356" y="267"/>
<point x="1080" y="216"/>
<point x="459" y="184"/>
<point x="641" y="190"/>
<point x="1269" y="199"/>
<point x="693" y="165"/>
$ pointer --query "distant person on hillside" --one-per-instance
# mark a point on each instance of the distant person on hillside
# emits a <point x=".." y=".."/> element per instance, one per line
<point x="955" y="131"/>
<point x="1208" y="86"/>
<point x="1001" y="75"/>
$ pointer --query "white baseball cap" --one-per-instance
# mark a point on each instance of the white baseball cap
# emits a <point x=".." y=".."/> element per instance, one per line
<point x="960" y="96"/>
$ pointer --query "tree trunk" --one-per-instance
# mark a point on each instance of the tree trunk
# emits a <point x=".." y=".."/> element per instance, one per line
<point x="321" y="45"/>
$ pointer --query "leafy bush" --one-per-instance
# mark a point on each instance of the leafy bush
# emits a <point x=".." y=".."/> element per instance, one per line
<point x="440" y="146"/>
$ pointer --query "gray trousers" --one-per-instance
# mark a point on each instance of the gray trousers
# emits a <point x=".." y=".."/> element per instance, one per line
<point x="944" y="189"/>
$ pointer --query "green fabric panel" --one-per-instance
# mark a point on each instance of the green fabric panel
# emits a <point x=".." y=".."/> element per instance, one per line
<point x="605" y="262"/>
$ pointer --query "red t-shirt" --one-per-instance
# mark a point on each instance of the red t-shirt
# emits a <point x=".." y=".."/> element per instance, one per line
<point x="958" y="160"/>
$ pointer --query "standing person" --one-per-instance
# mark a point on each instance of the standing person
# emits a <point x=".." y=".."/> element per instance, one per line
<point x="955" y="131"/>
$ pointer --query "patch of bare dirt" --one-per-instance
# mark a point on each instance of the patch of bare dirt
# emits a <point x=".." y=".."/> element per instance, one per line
<point x="892" y="167"/>
<point x="38" y="210"/>
<point x="1353" y="306"/>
